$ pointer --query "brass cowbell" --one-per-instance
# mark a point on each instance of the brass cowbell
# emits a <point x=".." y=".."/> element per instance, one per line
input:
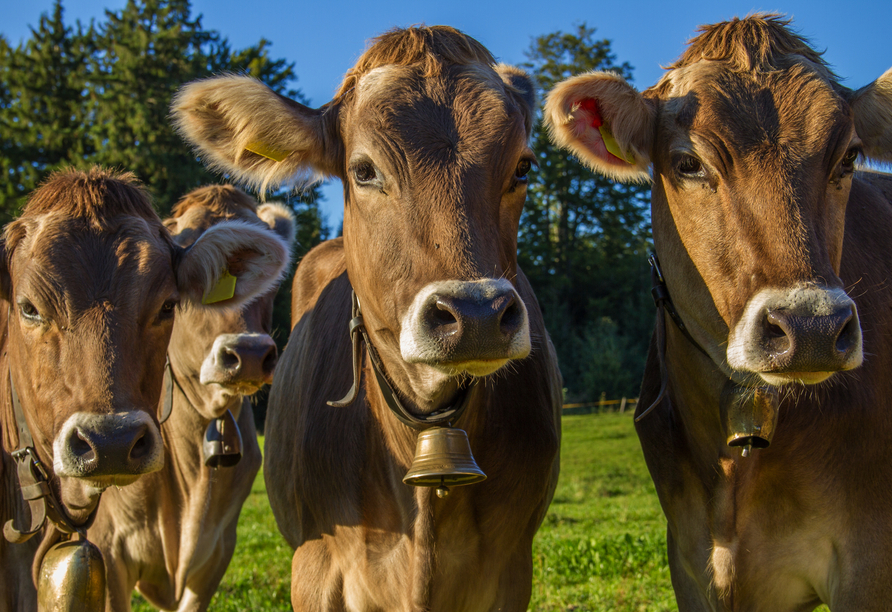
<point x="72" y="578"/>
<point x="222" y="446"/>
<point x="443" y="459"/>
<point x="749" y="415"/>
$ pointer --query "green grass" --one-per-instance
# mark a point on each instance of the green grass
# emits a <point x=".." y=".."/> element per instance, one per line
<point x="601" y="547"/>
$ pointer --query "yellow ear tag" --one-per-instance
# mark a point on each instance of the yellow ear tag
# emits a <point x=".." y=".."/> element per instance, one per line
<point x="267" y="151"/>
<point x="612" y="145"/>
<point x="223" y="290"/>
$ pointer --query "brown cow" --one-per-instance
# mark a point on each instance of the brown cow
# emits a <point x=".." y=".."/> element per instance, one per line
<point x="91" y="281"/>
<point x="429" y="137"/>
<point x="774" y="249"/>
<point x="172" y="534"/>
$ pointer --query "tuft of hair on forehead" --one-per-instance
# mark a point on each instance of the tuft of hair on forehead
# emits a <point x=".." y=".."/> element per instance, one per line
<point x="433" y="47"/>
<point x="760" y="42"/>
<point x="222" y="200"/>
<point x="96" y="195"/>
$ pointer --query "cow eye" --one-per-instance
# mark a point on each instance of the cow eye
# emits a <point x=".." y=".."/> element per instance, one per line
<point x="364" y="172"/>
<point x="849" y="159"/>
<point x="523" y="168"/>
<point x="30" y="313"/>
<point x="689" y="166"/>
<point x="168" y="309"/>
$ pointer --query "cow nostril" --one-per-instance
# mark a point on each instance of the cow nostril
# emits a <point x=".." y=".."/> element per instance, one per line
<point x="773" y="331"/>
<point x="442" y="316"/>
<point x="141" y="448"/>
<point x="845" y="341"/>
<point x="442" y="320"/>
<point x="270" y="360"/>
<point x="776" y="336"/>
<point x="81" y="448"/>
<point x="229" y="360"/>
<point x="512" y="318"/>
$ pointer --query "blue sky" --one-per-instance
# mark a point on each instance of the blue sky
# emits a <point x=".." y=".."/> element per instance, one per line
<point x="324" y="38"/>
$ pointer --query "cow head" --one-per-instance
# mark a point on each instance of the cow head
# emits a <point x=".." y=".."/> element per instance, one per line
<point x="753" y="145"/>
<point x="92" y="281"/>
<point x="429" y="137"/>
<point x="218" y="356"/>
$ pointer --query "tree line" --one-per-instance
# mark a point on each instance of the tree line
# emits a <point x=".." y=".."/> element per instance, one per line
<point x="100" y="93"/>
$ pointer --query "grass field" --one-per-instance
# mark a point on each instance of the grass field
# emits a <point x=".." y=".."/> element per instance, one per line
<point x="601" y="547"/>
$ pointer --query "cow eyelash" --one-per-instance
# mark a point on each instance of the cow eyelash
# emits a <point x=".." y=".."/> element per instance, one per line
<point x="168" y="309"/>
<point x="688" y="166"/>
<point x="365" y="173"/>
<point x="523" y="169"/>
<point x="848" y="160"/>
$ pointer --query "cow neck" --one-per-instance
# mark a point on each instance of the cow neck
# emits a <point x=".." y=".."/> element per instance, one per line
<point x="663" y="302"/>
<point x="358" y="334"/>
<point x="35" y="487"/>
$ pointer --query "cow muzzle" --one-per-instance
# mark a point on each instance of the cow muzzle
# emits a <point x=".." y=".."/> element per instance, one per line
<point x="244" y="362"/>
<point x="800" y="335"/>
<point x="107" y="449"/>
<point x="472" y="327"/>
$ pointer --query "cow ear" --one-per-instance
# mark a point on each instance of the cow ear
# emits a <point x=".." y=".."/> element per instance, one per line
<point x="231" y="263"/>
<point x="523" y="88"/>
<point x="280" y="219"/>
<point x="605" y="122"/>
<point x="241" y="127"/>
<point x="873" y="117"/>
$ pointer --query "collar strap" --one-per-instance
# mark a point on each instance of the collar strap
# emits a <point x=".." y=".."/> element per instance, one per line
<point x="663" y="302"/>
<point x="34" y="483"/>
<point x="358" y="333"/>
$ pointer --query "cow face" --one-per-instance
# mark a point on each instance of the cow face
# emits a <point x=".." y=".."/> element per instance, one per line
<point x="93" y="281"/>
<point x="435" y="183"/>
<point x="219" y="356"/>
<point x="430" y="140"/>
<point x="752" y="169"/>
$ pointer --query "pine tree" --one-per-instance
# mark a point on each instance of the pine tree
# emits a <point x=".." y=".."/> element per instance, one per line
<point x="148" y="50"/>
<point x="584" y="240"/>
<point x="45" y="106"/>
<point x="101" y="94"/>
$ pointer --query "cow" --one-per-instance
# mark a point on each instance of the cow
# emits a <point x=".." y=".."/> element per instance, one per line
<point x="92" y="280"/>
<point x="172" y="534"/>
<point x="429" y="137"/>
<point x="774" y="297"/>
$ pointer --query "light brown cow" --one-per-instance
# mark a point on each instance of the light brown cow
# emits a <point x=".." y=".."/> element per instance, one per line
<point x="775" y="252"/>
<point x="90" y="281"/>
<point x="171" y="535"/>
<point x="429" y="137"/>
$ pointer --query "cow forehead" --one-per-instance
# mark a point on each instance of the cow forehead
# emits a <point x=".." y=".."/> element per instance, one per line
<point x="124" y="260"/>
<point x="463" y="107"/>
<point x="793" y="108"/>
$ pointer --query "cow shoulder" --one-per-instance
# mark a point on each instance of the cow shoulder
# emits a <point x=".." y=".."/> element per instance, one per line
<point x="324" y="263"/>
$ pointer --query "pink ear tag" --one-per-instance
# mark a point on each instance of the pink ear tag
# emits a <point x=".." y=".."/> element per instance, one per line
<point x="223" y="290"/>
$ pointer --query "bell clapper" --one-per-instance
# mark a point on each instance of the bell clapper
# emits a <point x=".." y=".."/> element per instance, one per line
<point x="745" y="451"/>
<point x="442" y="490"/>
